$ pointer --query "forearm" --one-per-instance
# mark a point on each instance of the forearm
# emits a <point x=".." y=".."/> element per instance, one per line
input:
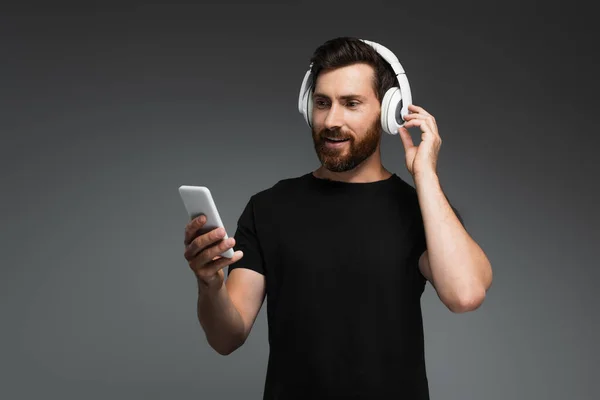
<point x="220" y="319"/>
<point x="461" y="272"/>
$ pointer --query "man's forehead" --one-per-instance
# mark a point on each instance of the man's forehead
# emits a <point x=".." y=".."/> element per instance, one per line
<point x="351" y="81"/>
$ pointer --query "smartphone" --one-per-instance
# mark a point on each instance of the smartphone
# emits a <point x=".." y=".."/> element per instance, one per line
<point x="198" y="200"/>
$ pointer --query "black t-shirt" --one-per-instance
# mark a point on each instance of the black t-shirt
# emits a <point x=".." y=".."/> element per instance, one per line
<point x="343" y="287"/>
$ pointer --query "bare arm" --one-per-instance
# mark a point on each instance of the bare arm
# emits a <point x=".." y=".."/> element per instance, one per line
<point x="454" y="263"/>
<point x="228" y="314"/>
<point x="226" y="310"/>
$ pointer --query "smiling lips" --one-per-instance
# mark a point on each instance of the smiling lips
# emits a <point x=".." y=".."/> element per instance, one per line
<point x="335" y="142"/>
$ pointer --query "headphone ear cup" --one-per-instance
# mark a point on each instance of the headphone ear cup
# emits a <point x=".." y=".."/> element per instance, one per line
<point x="309" y="108"/>
<point x="305" y="99"/>
<point x="391" y="107"/>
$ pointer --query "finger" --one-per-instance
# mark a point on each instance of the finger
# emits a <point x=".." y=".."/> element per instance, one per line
<point x="425" y="127"/>
<point x="426" y="117"/>
<point x="210" y="269"/>
<point x="415" y="123"/>
<point x="416" y="116"/>
<point x="206" y="271"/>
<point x="192" y="228"/>
<point x="425" y="123"/>
<point x="417" y="109"/>
<point x="201" y="242"/>
<point x="210" y="252"/>
<point x="407" y="141"/>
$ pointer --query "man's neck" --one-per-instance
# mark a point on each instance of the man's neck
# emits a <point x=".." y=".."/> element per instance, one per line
<point x="357" y="175"/>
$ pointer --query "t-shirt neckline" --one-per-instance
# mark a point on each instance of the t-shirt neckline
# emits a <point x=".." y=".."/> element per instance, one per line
<point x="323" y="182"/>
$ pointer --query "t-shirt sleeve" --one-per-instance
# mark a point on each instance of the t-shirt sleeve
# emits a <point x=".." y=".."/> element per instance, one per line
<point x="246" y="240"/>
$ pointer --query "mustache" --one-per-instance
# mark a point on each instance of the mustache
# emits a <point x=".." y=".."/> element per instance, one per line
<point x="337" y="134"/>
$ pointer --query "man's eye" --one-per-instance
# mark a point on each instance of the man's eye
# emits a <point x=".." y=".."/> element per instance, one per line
<point x="352" y="103"/>
<point x="320" y="103"/>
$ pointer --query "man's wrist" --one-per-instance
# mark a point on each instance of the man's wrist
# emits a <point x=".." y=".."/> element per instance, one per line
<point x="426" y="177"/>
<point x="210" y="286"/>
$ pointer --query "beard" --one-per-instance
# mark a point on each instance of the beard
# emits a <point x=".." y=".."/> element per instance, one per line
<point x="351" y="154"/>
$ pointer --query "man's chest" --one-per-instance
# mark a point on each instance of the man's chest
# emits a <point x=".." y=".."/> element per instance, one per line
<point x="318" y="249"/>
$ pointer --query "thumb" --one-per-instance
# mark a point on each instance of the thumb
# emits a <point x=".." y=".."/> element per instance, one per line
<point x="407" y="141"/>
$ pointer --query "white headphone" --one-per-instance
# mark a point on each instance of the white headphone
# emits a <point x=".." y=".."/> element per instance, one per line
<point x="394" y="105"/>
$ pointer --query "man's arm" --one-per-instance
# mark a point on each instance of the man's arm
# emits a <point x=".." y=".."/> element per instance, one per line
<point x="247" y="289"/>
<point x="453" y="263"/>
<point x="228" y="314"/>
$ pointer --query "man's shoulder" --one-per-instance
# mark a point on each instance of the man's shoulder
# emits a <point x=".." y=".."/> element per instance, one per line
<point x="282" y="187"/>
<point x="295" y="187"/>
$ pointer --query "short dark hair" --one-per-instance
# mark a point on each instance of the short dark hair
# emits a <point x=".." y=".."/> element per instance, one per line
<point x="344" y="51"/>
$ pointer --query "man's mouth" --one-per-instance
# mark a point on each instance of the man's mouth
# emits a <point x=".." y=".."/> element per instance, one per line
<point x="336" y="140"/>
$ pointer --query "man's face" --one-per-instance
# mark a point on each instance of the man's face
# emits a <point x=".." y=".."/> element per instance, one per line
<point x="345" y="107"/>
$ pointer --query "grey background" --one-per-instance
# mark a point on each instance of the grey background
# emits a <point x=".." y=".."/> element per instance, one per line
<point x="105" y="112"/>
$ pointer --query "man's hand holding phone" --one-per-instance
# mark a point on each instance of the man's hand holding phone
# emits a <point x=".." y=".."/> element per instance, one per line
<point x="202" y="251"/>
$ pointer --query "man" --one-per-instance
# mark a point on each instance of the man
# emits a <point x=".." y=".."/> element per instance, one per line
<point x="343" y="253"/>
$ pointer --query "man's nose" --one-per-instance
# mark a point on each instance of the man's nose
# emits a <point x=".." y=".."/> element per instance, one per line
<point x="334" y="117"/>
